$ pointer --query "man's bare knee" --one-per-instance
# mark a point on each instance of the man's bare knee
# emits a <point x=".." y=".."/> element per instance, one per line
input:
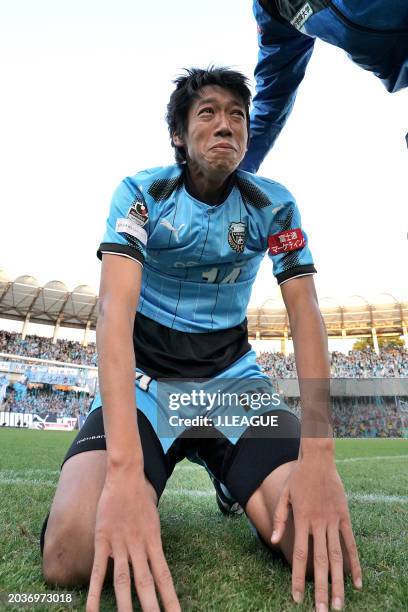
<point x="68" y="556"/>
<point x="69" y="537"/>
<point x="62" y="569"/>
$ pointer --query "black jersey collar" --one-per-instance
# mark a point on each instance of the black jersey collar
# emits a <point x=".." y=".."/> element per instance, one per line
<point x="229" y="185"/>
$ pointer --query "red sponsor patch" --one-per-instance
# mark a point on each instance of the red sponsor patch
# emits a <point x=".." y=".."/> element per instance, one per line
<point x="289" y="240"/>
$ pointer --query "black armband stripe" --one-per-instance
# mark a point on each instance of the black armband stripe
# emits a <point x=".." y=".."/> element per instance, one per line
<point x="120" y="249"/>
<point x="297" y="271"/>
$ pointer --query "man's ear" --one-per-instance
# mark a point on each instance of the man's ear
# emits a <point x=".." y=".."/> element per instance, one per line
<point x="177" y="140"/>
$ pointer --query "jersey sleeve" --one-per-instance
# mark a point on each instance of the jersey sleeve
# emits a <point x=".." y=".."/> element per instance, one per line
<point x="288" y="244"/>
<point x="127" y="225"/>
<point x="284" y="53"/>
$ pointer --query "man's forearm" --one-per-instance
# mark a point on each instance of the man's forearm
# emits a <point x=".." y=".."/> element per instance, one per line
<point x="313" y="368"/>
<point x="117" y="386"/>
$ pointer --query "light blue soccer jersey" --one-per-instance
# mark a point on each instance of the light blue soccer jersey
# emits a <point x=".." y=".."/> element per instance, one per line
<point x="200" y="261"/>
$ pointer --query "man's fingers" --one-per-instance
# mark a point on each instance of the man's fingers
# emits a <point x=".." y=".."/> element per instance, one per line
<point x="281" y="516"/>
<point x="163" y="579"/>
<point x="321" y="569"/>
<point x="351" y="548"/>
<point x="144" y="582"/>
<point x="97" y="577"/>
<point x="299" y="560"/>
<point x="121" y="580"/>
<point x="336" y="568"/>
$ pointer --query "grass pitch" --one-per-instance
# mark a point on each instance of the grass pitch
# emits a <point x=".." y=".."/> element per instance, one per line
<point x="217" y="565"/>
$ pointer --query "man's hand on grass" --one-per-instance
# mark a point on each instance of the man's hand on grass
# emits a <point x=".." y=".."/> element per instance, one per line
<point x="128" y="530"/>
<point x="315" y="492"/>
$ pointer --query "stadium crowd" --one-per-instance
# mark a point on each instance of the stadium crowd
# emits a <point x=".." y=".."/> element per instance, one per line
<point x="352" y="417"/>
<point x="365" y="417"/>
<point x="68" y="351"/>
<point x="356" y="364"/>
<point x="368" y="418"/>
<point x="43" y="402"/>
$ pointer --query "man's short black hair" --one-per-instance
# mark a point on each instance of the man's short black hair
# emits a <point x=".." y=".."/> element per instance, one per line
<point x="187" y="90"/>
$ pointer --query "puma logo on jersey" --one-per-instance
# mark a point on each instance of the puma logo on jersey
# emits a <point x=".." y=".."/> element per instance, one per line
<point x="173" y="230"/>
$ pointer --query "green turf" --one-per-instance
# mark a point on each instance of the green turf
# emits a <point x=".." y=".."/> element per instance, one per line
<point x="216" y="563"/>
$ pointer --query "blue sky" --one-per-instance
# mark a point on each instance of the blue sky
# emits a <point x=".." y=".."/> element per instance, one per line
<point x="84" y="89"/>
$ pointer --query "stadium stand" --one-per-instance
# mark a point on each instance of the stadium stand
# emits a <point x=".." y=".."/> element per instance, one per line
<point x="46" y="401"/>
<point x="55" y="379"/>
<point x="23" y="299"/>
<point x="356" y="364"/>
<point x="54" y="391"/>
<point x="365" y="416"/>
<point x="67" y="351"/>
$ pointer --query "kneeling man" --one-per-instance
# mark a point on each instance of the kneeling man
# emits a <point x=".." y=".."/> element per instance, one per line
<point x="180" y="254"/>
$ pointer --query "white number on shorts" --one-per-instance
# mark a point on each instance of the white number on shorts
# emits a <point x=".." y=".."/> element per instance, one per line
<point x="143" y="381"/>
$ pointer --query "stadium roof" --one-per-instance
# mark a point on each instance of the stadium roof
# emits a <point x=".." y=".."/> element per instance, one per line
<point x="356" y="317"/>
<point x="51" y="304"/>
<point x="54" y="304"/>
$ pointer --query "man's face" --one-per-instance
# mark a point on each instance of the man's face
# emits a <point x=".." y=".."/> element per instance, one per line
<point x="217" y="133"/>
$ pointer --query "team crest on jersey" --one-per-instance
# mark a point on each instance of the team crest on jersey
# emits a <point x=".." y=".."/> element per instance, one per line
<point x="237" y="236"/>
<point x="138" y="213"/>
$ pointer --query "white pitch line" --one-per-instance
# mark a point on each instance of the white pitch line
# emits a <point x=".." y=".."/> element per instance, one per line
<point x="24" y="481"/>
<point x="359" y="497"/>
<point x="375" y="498"/>
<point x="375" y="458"/>
<point x="195" y="467"/>
<point x="190" y="492"/>
<point x="192" y="468"/>
<point x="30" y="472"/>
